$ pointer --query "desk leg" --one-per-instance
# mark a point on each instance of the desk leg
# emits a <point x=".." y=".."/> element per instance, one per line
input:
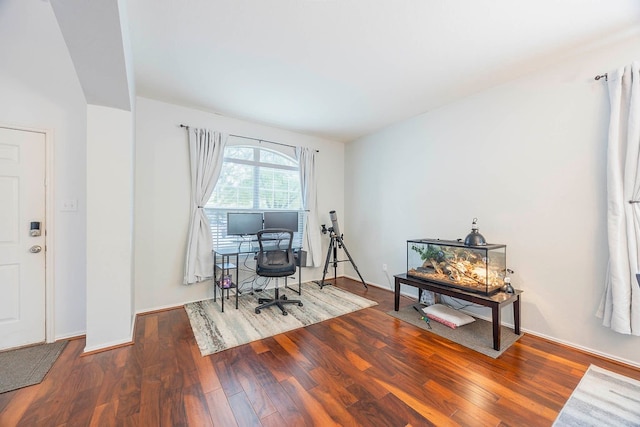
<point x="496" y="327"/>
<point x="299" y="291"/>
<point x="396" y="303"/>
<point x="516" y="315"/>
<point x="237" y="279"/>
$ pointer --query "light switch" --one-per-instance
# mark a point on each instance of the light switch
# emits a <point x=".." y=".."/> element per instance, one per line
<point x="70" y="205"/>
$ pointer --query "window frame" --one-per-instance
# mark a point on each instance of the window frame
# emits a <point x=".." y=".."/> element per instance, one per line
<point x="217" y="215"/>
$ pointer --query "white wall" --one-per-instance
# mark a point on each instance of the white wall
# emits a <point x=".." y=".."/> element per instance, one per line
<point x="163" y="198"/>
<point x="110" y="187"/>
<point x="40" y="90"/>
<point x="527" y="158"/>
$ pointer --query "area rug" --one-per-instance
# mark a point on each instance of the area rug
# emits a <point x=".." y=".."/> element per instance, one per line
<point x="216" y="331"/>
<point x="27" y="366"/>
<point x="602" y="398"/>
<point x="476" y="335"/>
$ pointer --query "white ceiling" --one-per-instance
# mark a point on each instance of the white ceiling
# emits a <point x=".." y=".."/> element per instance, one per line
<point x="342" y="69"/>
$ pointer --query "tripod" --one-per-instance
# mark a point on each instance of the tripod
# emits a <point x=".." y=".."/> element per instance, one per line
<point x="335" y="243"/>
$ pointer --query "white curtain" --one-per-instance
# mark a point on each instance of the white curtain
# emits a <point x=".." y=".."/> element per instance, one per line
<point x="206" y="151"/>
<point x="311" y="241"/>
<point x="620" y="306"/>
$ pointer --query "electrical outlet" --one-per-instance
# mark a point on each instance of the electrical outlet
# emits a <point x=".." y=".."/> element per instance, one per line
<point x="384" y="267"/>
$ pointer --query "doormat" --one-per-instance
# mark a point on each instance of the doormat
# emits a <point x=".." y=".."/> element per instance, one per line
<point x="476" y="335"/>
<point x="27" y="366"/>
<point x="602" y="398"/>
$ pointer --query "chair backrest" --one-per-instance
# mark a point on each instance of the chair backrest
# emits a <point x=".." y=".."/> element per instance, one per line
<point x="275" y="258"/>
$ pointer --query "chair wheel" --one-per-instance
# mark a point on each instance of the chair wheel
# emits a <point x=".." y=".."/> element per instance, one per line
<point x="284" y="313"/>
<point x="299" y="304"/>
<point x="284" y="297"/>
<point x="257" y="311"/>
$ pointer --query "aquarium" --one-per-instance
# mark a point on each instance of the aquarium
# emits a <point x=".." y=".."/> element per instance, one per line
<point x="479" y="269"/>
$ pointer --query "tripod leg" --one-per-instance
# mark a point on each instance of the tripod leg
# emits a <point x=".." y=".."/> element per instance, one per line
<point x="326" y="263"/>
<point x="335" y="262"/>
<point x="355" y="267"/>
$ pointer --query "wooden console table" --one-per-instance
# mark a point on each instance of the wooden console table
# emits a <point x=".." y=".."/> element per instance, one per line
<point x="495" y="301"/>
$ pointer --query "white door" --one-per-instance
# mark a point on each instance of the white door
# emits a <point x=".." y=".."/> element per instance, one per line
<point x="22" y="256"/>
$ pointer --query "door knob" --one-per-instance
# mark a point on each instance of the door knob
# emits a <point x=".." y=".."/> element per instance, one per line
<point x="35" y="249"/>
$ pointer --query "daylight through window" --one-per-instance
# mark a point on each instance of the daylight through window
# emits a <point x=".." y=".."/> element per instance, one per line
<point x="253" y="179"/>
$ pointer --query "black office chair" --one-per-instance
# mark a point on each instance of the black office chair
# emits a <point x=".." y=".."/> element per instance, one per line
<point x="275" y="259"/>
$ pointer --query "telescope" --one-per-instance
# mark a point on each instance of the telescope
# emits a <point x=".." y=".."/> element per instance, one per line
<point x="335" y="243"/>
<point x="334" y="222"/>
<point x="335" y="228"/>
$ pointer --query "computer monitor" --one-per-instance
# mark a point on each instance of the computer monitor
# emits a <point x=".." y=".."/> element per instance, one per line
<point x="243" y="223"/>
<point x="286" y="220"/>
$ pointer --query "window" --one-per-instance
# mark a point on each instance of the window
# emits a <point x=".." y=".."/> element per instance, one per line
<point x="253" y="179"/>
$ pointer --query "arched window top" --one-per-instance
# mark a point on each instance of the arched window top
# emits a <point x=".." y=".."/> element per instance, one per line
<point x="256" y="178"/>
<point x="262" y="155"/>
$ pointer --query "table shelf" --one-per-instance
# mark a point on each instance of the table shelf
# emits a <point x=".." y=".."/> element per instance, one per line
<point x="223" y="267"/>
<point x="495" y="301"/>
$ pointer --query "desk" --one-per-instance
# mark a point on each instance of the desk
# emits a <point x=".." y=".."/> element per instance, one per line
<point x="222" y="261"/>
<point x="495" y="301"/>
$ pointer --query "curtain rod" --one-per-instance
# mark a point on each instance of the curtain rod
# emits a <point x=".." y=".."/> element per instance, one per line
<point x="256" y="139"/>
<point x="604" y="76"/>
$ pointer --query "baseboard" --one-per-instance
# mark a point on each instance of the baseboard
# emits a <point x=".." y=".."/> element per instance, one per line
<point x="109" y="346"/>
<point x="582" y="349"/>
<point x="357" y="279"/>
<point x="114" y="344"/>
<point x="167" y="307"/>
<point x="71" y="336"/>
<point x="162" y="309"/>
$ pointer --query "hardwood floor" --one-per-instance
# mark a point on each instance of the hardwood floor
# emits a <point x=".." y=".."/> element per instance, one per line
<point x="364" y="368"/>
